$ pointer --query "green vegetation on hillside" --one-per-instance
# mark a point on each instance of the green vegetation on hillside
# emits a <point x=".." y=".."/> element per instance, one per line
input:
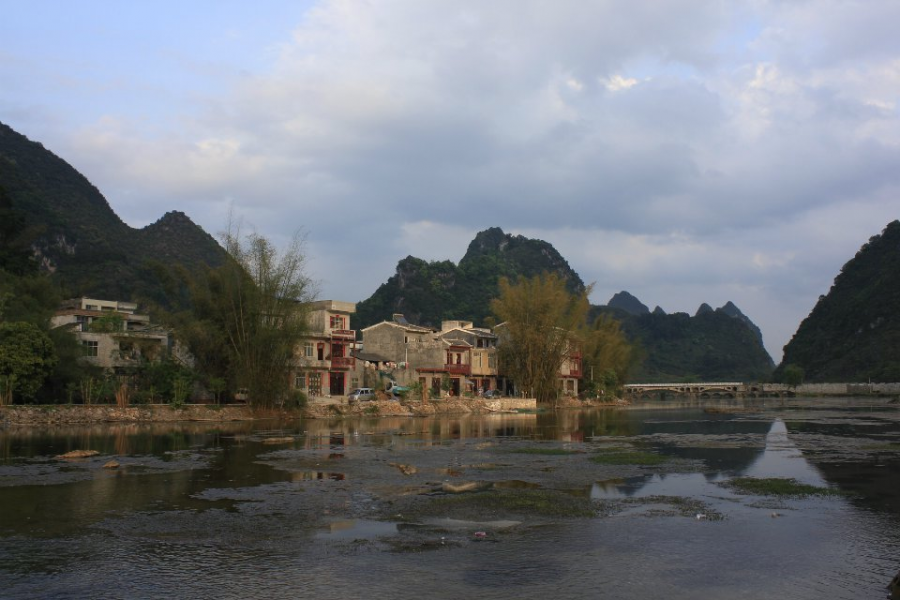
<point x="711" y="346"/>
<point x="81" y="242"/>
<point x="430" y="292"/>
<point x="853" y="333"/>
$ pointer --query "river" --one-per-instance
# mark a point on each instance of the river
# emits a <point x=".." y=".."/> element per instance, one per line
<point x="360" y="509"/>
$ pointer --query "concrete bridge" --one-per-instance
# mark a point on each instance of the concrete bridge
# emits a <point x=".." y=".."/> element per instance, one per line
<point x="721" y="389"/>
<point x="734" y="389"/>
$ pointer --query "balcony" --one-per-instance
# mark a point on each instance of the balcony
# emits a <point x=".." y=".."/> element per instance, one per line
<point x="343" y="334"/>
<point x="459" y="369"/>
<point x="342" y="362"/>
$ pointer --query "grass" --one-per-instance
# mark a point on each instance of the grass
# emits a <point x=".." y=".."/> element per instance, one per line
<point x="544" y="503"/>
<point x="616" y="456"/>
<point x="888" y="446"/>
<point x="545" y="451"/>
<point x="777" y="486"/>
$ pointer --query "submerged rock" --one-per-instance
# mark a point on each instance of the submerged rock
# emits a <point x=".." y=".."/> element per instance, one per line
<point x="405" y="469"/>
<point x="461" y="488"/>
<point x="79" y="454"/>
<point x="894" y="587"/>
<point x="111" y="465"/>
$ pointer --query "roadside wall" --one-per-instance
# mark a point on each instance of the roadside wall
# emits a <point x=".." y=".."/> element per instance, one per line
<point x="55" y="415"/>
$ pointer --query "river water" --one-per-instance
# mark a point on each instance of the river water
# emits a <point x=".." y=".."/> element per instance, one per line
<point x="314" y="508"/>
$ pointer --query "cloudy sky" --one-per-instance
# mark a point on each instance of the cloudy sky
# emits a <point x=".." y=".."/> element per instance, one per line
<point x="688" y="152"/>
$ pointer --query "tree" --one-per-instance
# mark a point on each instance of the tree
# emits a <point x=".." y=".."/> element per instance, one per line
<point x="792" y="375"/>
<point x="26" y="359"/>
<point x="607" y="351"/>
<point x="541" y="323"/>
<point x="251" y="314"/>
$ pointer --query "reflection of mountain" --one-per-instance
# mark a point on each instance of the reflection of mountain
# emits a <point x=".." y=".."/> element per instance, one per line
<point x="782" y="458"/>
<point x="740" y="458"/>
<point x="869" y="476"/>
<point x="726" y="446"/>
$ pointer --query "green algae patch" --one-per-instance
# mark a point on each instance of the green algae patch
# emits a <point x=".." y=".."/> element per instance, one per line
<point x="777" y="486"/>
<point x="887" y="447"/>
<point x="504" y="502"/>
<point x="628" y="457"/>
<point x="545" y="451"/>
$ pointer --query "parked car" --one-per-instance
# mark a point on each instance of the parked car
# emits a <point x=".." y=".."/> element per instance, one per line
<point x="361" y="395"/>
<point x="493" y="394"/>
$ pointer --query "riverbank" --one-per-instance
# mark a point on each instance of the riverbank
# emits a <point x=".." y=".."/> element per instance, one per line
<point x="65" y="414"/>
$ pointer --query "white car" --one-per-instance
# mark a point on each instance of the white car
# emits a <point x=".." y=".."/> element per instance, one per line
<point x="361" y="395"/>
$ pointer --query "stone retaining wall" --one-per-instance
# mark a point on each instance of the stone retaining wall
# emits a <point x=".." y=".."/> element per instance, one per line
<point x="59" y="414"/>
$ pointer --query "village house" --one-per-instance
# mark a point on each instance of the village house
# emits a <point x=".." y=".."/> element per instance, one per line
<point x="457" y="359"/>
<point x="325" y="359"/>
<point x="112" y="335"/>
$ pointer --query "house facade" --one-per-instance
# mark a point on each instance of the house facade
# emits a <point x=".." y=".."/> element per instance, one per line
<point x="457" y="359"/>
<point x="325" y="363"/>
<point x="112" y="335"/>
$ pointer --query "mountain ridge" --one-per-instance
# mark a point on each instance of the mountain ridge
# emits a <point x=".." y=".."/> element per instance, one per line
<point x="853" y="331"/>
<point x="79" y="239"/>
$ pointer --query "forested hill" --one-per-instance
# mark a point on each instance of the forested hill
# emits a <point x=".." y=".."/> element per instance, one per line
<point x="429" y="292"/>
<point x="853" y="332"/>
<point x="713" y="345"/>
<point x="81" y="241"/>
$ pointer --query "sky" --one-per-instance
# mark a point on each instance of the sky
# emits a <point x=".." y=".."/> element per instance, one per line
<point x="687" y="152"/>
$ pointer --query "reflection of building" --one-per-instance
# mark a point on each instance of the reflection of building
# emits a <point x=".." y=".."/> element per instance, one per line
<point x="459" y="358"/>
<point x="325" y="362"/>
<point x="112" y="335"/>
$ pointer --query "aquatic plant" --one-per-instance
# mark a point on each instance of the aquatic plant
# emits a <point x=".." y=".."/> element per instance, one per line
<point x="545" y="451"/>
<point x="777" y="486"/>
<point x="627" y="457"/>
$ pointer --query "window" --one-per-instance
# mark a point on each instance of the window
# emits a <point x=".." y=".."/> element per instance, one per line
<point x="300" y="381"/>
<point x="315" y="384"/>
<point x="492" y="361"/>
<point x="321" y="352"/>
<point x="308" y="349"/>
<point x="337" y="322"/>
<point x="89" y="348"/>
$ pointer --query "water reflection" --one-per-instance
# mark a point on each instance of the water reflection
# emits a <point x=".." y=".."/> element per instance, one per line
<point x="782" y="458"/>
<point x="779" y="458"/>
<point x="211" y="510"/>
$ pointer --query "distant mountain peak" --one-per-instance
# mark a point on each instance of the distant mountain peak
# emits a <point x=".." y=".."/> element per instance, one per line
<point x="79" y="238"/>
<point x="431" y="292"/>
<point x="625" y="301"/>
<point x="730" y="309"/>
<point x="704" y="309"/>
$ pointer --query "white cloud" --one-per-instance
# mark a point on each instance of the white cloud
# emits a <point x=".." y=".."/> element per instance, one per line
<point x="617" y="83"/>
<point x="688" y="152"/>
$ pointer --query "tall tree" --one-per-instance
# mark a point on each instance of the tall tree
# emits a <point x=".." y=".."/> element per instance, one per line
<point x="541" y="324"/>
<point x="26" y="359"/>
<point x="606" y="349"/>
<point x="256" y="304"/>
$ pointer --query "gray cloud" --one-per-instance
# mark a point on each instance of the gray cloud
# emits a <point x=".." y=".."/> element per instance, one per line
<point x="688" y="152"/>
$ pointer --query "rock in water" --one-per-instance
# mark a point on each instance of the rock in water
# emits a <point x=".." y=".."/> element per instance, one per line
<point x="405" y="469"/>
<point x="894" y="587"/>
<point x="111" y="465"/>
<point x="79" y="454"/>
